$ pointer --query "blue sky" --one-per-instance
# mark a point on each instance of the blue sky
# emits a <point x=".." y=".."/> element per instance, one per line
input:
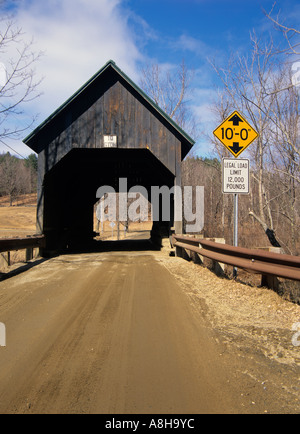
<point x="79" y="36"/>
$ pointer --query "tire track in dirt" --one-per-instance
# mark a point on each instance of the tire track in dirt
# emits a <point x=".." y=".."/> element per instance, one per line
<point x="115" y="333"/>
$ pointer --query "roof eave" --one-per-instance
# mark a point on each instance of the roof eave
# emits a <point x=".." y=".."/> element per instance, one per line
<point x="112" y="64"/>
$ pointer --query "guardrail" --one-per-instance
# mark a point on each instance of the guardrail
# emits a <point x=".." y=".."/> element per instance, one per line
<point x="268" y="264"/>
<point x="29" y="243"/>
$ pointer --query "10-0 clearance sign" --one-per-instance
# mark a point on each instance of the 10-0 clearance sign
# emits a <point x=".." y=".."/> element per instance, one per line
<point x="236" y="134"/>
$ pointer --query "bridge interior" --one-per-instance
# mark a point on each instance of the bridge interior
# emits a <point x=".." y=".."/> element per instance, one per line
<point x="70" y="192"/>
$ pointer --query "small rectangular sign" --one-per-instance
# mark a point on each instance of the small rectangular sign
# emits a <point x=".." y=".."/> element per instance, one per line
<point x="110" y="141"/>
<point x="236" y="176"/>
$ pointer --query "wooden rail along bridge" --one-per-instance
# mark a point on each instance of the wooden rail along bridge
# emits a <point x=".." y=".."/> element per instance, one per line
<point x="74" y="160"/>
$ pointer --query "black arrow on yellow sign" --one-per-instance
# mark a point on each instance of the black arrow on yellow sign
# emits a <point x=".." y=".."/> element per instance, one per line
<point x="235" y="120"/>
<point x="236" y="148"/>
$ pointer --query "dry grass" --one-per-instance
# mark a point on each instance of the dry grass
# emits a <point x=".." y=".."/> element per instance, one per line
<point x="240" y="311"/>
<point x="17" y="222"/>
<point x="22" y="200"/>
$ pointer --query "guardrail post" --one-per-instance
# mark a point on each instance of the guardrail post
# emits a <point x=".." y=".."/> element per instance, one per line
<point x="270" y="282"/>
<point x="196" y="258"/>
<point x="3" y="261"/>
<point x="216" y="267"/>
<point x="29" y="254"/>
<point x="181" y="253"/>
<point x="178" y="252"/>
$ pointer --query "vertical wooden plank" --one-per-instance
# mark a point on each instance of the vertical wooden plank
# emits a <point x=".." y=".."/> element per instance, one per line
<point x="130" y="121"/>
<point x="99" y="122"/>
<point x="138" y="124"/>
<point x="114" y="105"/>
<point x="74" y="134"/>
<point x="89" y="127"/>
<point x="164" y="146"/>
<point x="83" y="133"/>
<point x="178" y="224"/>
<point x="94" y="114"/>
<point x="155" y="136"/>
<point x="122" y="141"/>
<point x="106" y="114"/>
<point x="172" y="143"/>
<point x="146" y="128"/>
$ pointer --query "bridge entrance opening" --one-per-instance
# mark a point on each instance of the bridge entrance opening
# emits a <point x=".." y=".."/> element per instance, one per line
<point x="72" y="206"/>
<point x="123" y="216"/>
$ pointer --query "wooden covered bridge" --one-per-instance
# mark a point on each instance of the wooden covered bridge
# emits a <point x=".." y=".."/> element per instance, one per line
<point x="74" y="159"/>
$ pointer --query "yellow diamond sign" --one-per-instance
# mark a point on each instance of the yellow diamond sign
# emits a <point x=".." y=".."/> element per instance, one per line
<point x="236" y="134"/>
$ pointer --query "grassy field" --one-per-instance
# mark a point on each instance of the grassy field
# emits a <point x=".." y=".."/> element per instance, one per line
<point x="17" y="221"/>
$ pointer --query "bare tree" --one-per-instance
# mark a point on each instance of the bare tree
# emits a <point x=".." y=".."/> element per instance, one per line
<point x="18" y="85"/>
<point x="261" y="86"/>
<point x="247" y="81"/>
<point x="171" y="89"/>
<point x="290" y="34"/>
<point x="286" y="151"/>
<point x="14" y="177"/>
<point x="291" y="37"/>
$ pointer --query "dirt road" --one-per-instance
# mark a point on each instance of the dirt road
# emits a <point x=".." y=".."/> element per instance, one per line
<point x="116" y="333"/>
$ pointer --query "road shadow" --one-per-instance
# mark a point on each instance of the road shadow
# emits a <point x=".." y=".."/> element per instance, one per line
<point x="115" y="246"/>
<point x="21" y="269"/>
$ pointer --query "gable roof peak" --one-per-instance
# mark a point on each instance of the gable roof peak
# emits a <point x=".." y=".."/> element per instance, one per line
<point x="31" y="138"/>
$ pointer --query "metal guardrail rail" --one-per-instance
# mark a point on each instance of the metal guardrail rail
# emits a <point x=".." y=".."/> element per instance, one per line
<point x="11" y="244"/>
<point x="255" y="261"/>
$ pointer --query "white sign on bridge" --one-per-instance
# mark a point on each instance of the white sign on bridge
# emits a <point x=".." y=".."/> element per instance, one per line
<point x="236" y="176"/>
<point x="110" y="141"/>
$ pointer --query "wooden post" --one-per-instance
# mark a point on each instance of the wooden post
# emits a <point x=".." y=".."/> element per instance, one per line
<point x="29" y="254"/>
<point x="270" y="282"/>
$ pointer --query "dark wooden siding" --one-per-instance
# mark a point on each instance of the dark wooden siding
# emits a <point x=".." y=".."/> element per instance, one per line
<point x="120" y="111"/>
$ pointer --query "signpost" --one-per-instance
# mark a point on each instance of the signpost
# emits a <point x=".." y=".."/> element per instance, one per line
<point x="236" y="180"/>
<point x="236" y="134"/>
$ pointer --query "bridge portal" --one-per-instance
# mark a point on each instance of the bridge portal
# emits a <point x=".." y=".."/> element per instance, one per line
<point x="109" y="129"/>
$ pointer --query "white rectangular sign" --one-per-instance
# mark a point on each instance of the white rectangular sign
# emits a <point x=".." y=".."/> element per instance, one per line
<point x="110" y="141"/>
<point x="236" y="176"/>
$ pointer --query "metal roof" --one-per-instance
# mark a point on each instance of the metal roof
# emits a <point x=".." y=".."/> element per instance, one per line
<point x="111" y="64"/>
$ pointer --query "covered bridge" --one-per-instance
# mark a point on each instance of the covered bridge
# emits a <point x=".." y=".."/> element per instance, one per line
<point x="74" y="159"/>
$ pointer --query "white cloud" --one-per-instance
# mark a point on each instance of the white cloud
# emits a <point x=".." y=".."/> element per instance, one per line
<point x="196" y="46"/>
<point x="77" y="37"/>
